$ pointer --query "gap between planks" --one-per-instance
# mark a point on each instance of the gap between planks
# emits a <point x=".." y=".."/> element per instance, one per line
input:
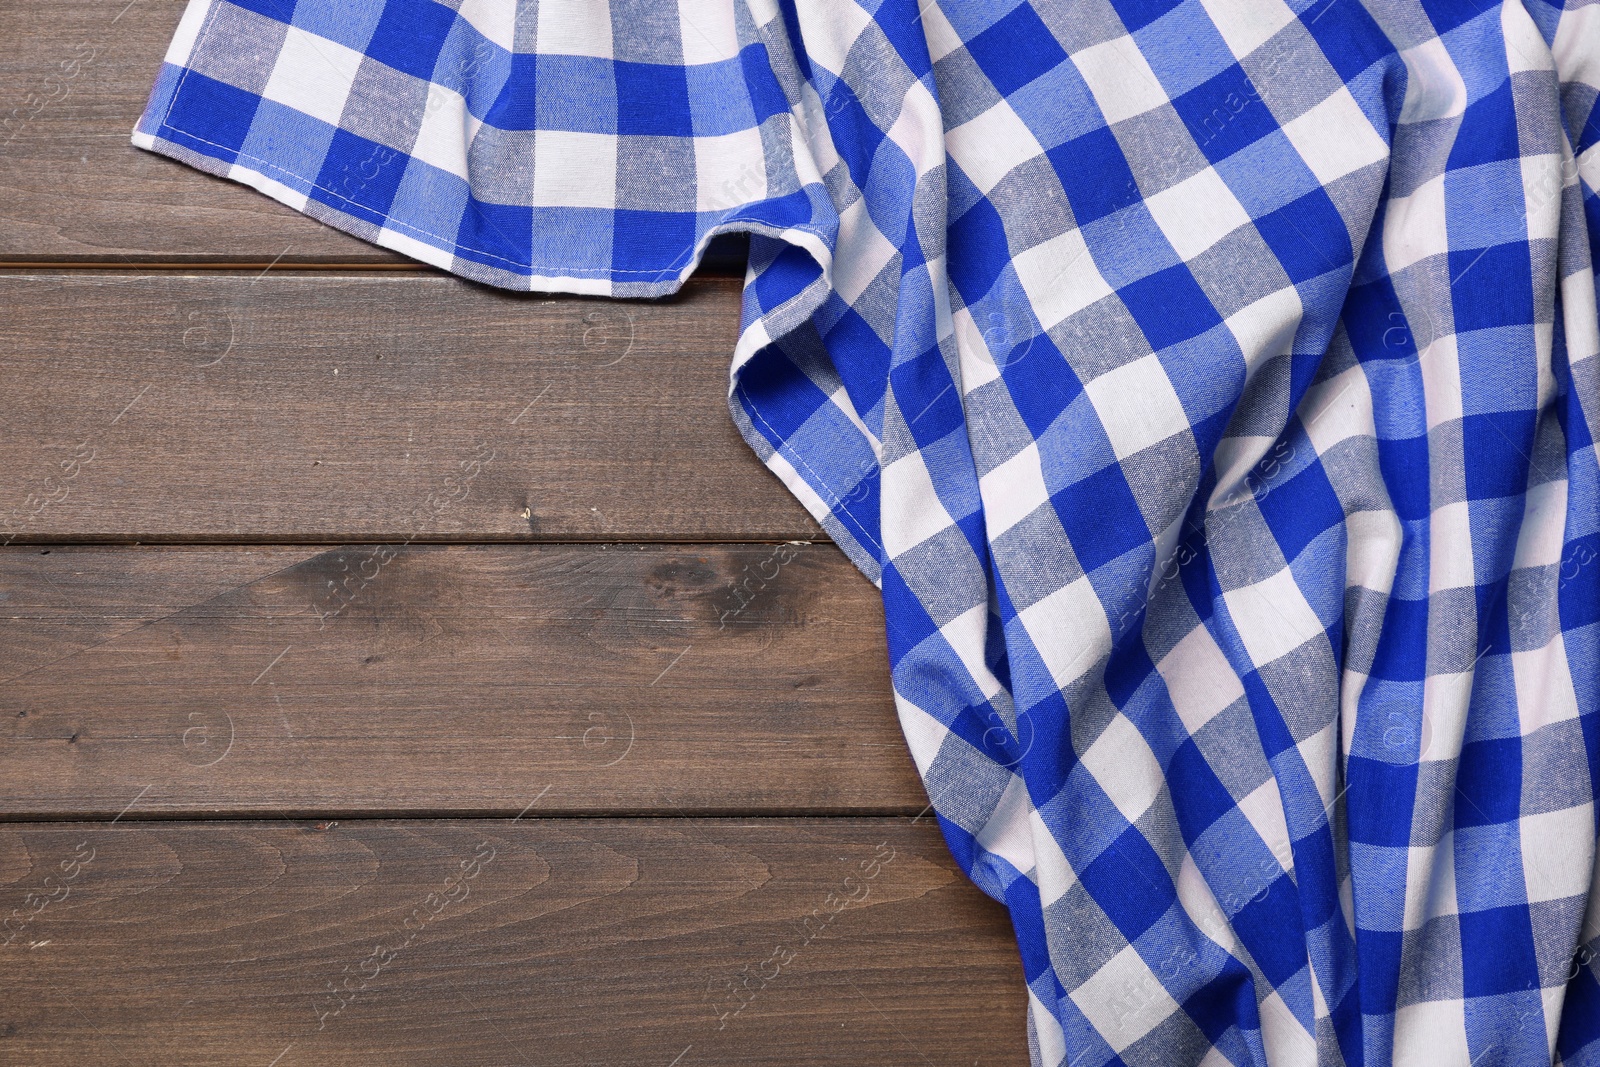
<point x="795" y="813"/>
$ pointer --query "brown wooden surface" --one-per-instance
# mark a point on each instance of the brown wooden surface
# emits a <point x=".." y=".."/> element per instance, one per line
<point x="329" y="681"/>
<point x="394" y="582"/>
<point x="561" y="942"/>
<point x="372" y="407"/>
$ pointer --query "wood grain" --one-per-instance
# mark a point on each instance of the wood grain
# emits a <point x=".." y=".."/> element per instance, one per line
<point x="431" y="679"/>
<point x="294" y="407"/>
<point x="548" y="943"/>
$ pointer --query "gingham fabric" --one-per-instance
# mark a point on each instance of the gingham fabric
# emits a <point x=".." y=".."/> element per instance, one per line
<point x="1210" y="387"/>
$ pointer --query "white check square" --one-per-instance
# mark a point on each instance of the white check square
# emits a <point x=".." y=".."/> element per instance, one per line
<point x="1272" y="617"/>
<point x="574" y="169"/>
<point x="1013" y="491"/>
<point x="1124" y="1000"/>
<point x="313" y="75"/>
<point x="1199" y="680"/>
<point x="574" y="28"/>
<point x="1197" y="212"/>
<point x="1414" y="227"/>
<point x="1336" y="138"/>
<point x="1120" y="78"/>
<point x="1060" y="277"/>
<point x="992" y="145"/>
<point x="1070" y="630"/>
<point x="911" y="509"/>
<point x="1137" y="405"/>
<point x="1248" y="24"/>
<point x="1121" y="761"/>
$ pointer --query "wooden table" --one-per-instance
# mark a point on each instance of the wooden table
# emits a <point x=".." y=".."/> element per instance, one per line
<point x="404" y="672"/>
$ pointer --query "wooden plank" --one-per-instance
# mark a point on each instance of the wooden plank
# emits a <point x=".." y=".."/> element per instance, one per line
<point x="684" y="942"/>
<point x="445" y="679"/>
<point x="75" y="75"/>
<point x="294" y="407"/>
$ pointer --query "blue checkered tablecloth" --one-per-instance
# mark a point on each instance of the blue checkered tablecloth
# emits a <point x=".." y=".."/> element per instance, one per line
<point x="1211" y="387"/>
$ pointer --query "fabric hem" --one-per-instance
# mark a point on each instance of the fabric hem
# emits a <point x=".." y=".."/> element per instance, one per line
<point x="576" y="281"/>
